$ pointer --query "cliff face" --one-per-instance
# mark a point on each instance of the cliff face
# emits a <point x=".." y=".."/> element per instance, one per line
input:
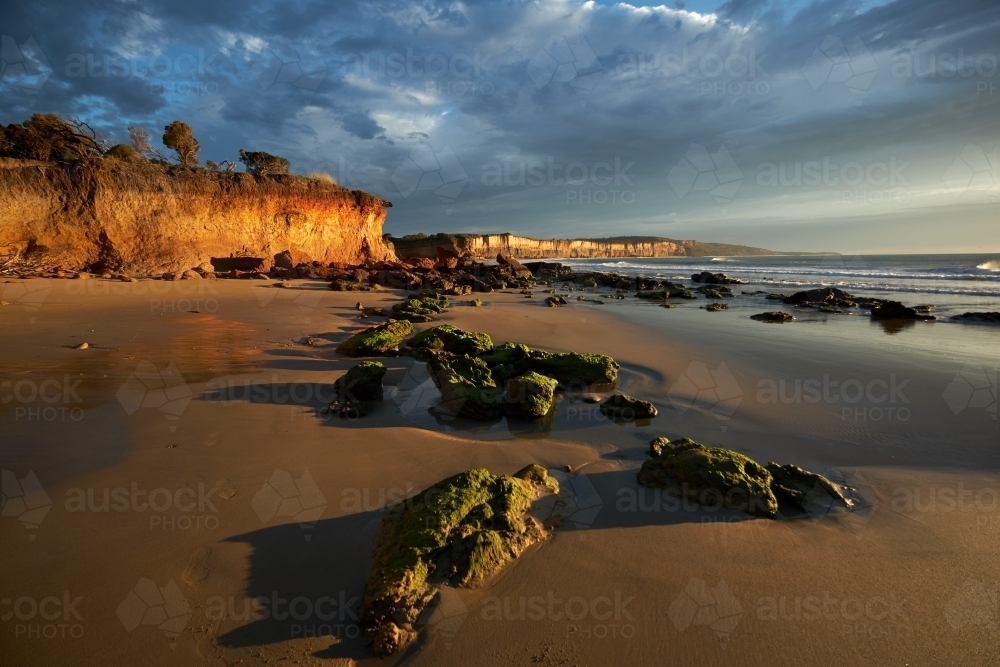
<point x="142" y="218"/>
<point x="487" y="246"/>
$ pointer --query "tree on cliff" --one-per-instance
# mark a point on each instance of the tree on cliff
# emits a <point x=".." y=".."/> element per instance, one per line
<point x="46" y="136"/>
<point x="179" y="137"/>
<point x="260" y="163"/>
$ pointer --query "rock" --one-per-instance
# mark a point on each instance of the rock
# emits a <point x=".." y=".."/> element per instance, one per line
<point x="819" y="295"/>
<point x="583" y="298"/>
<point x="894" y="310"/>
<point x="83" y="275"/>
<point x="716" y="307"/>
<point x="667" y="305"/>
<point x="507" y="360"/>
<point x="377" y="340"/>
<point x="513" y="266"/>
<point x="476" y="303"/>
<point x="312" y="341"/>
<point x="81" y="346"/>
<point x="669" y="290"/>
<point x="805" y="491"/>
<point x="530" y="395"/>
<point x="591" y="399"/>
<point x="464" y="530"/>
<point x="191" y="274"/>
<point x="657" y="445"/>
<point x="467" y="387"/>
<point x="362" y="382"/>
<point x="711" y="476"/>
<point x="126" y="279"/>
<point x="420" y="309"/>
<point x="715" y="278"/>
<point x="773" y="317"/>
<point x="577" y="368"/>
<point x="776" y="297"/>
<point x="459" y="290"/>
<point x="554" y="301"/>
<point x="620" y="407"/>
<point x="348" y="408"/>
<point x="980" y="318"/>
<point x="241" y="264"/>
<point x="452" y="339"/>
<point x="715" y="292"/>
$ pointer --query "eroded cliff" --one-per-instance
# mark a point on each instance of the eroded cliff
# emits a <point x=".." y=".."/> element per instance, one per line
<point x="487" y="246"/>
<point x="138" y="217"/>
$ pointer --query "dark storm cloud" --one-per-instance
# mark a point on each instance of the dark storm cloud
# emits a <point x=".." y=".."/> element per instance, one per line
<point x="421" y="101"/>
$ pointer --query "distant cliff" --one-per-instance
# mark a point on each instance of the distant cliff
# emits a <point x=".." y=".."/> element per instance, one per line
<point x="487" y="246"/>
<point x="138" y="217"/>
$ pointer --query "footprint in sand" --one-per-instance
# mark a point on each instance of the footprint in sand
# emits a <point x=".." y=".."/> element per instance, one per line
<point x="197" y="569"/>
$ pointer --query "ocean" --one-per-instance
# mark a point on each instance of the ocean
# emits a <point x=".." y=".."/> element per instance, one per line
<point x="952" y="283"/>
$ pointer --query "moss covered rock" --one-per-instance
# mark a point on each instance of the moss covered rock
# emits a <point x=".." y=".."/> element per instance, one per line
<point x="554" y="301"/>
<point x="530" y="395"/>
<point x="620" y="407"/>
<point x="363" y="382"/>
<point x="577" y="368"/>
<point x="711" y="476"/>
<point x="452" y="339"/>
<point x="716" y="307"/>
<point x="463" y="530"/>
<point x="418" y="309"/>
<point x="773" y="317"/>
<point x="803" y="490"/>
<point x="467" y="386"/>
<point x="377" y="340"/>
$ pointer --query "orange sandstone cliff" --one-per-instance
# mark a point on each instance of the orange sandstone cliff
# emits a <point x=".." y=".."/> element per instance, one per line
<point x="140" y="218"/>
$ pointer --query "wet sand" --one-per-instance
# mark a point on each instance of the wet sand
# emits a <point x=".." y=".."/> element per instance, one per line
<point x="209" y="480"/>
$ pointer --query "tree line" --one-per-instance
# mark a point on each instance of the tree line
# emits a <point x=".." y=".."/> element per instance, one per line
<point x="50" y="137"/>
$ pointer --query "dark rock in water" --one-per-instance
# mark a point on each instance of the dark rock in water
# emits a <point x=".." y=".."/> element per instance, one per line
<point x="746" y="293"/>
<point x="376" y="341"/>
<point x="712" y="476"/>
<point x="716" y="307"/>
<point x="583" y="298"/>
<point x="668" y="290"/>
<point x="776" y="297"/>
<point x="894" y="310"/>
<point x="979" y="318"/>
<point x="464" y="530"/>
<point x="773" y="316"/>
<point x="620" y="407"/>
<point x="805" y="491"/>
<point x="513" y="266"/>
<point x="572" y="368"/>
<point x="530" y="395"/>
<point x="818" y="296"/>
<point x="667" y="305"/>
<point x="544" y="269"/>
<point x="715" y="291"/>
<point x="716" y="278"/>
<point x="452" y="339"/>
<point x="362" y="382"/>
<point x="554" y="301"/>
<point x="348" y="408"/>
<point x="467" y="386"/>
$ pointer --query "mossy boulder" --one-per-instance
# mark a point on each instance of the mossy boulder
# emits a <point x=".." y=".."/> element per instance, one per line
<point x="554" y="301"/>
<point x="452" y="339"/>
<point x="418" y="309"/>
<point x="803" y="490"/>
<point x="773" y="317"/>
<point x="377" y="340"/>
<point x="712" y="476"/>
<point x="467" y="386"/>
<point x="530" y="395"/>
<point x="508" y="360"/>
<point x="623" y="408"/>
<point x="577" y="368"/>
<point x="362" y="382"/>
<point x="716" y="307"/>
<point x="463" y="530"/>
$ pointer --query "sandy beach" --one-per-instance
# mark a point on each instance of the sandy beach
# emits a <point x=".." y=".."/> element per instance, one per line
<point x="202" y="508"/>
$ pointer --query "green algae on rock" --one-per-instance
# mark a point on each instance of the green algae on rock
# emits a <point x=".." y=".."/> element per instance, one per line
<point x="577" y="368"/>
<point x="712" y="476"/>
<point x="804" y="490"/>
<point x="467" y="386"/>
<point x="452" y="339"/>
<point x="376" y="341"/>
<point x="463" y="530"/>
<point x="417" y="309"/>
<point x="363" y="381"/>
<point x="620" y="407"/>
<point x="530" y="395"/>
<point x="773" y="317"/>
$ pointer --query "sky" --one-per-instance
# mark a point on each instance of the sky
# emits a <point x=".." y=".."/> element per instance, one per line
<point x="853" y="127"/>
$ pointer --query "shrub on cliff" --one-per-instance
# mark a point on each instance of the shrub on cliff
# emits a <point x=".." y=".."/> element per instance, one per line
<point x="121" y="152"/>
<point x="179" y="137"/>
<point x="260" y="163"/>
<point x="46" y="136"/>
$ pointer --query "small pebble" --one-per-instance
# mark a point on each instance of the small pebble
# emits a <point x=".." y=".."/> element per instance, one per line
<point x="82" y="346"/>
